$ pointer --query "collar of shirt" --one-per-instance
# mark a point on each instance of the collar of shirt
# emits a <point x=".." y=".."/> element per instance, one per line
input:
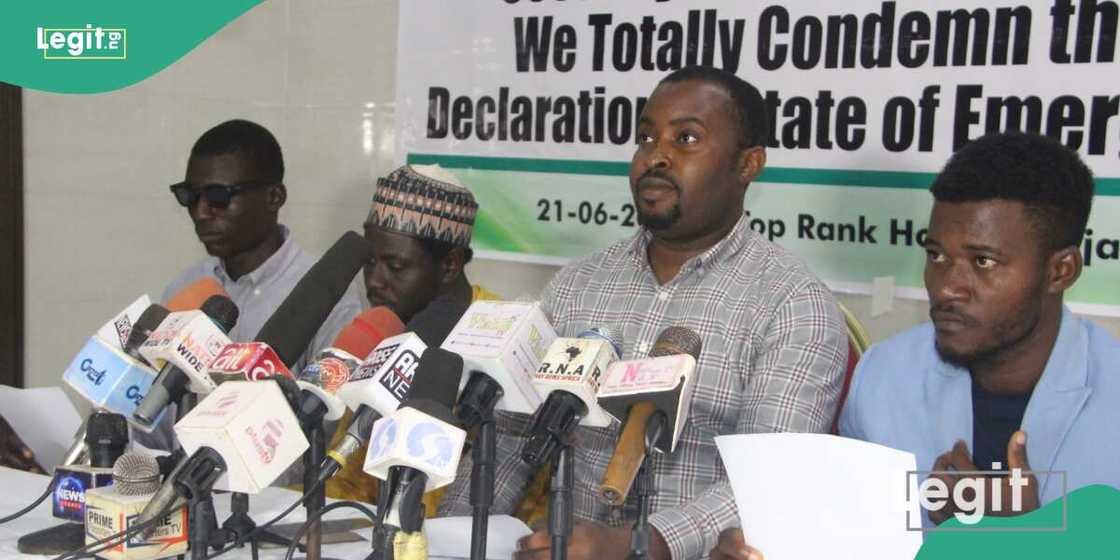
<point x="723" y="250"/>
<point x="268" y="271"/>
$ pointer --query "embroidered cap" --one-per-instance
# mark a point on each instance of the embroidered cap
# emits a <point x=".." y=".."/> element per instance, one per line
<point x="424" y="201"/>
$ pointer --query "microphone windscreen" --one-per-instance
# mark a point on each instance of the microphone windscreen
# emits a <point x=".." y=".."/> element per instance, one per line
<point x="294" y="323"/>
<point x="106" y="438"/>
<point x="221" y="310"/>
<point x="677" y="340"/>
<point x="136" y="474"/>
<point x="435" y="385"/>
<point x="367" y="330"/>
<point x="144" y="325"/>
<point x="106" y="428"/>
<point x="435" y="322"/>
<point x="192" y="296"/>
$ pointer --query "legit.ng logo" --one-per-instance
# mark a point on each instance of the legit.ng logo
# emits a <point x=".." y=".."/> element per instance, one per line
<point x="88" y="43"/>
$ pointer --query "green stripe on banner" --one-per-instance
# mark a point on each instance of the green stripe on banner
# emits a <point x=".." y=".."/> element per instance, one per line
<point x="1106" y="186"/>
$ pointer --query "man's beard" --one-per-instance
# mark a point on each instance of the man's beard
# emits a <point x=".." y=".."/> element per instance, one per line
<point x="660" y="222"/>
<point x="1004" y="342"/>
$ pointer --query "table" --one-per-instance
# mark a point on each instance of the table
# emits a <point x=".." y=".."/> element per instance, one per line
<point x="18" y="488"/>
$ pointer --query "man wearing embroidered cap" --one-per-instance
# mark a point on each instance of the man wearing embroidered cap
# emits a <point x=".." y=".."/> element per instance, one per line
<point x="420" y="224"/>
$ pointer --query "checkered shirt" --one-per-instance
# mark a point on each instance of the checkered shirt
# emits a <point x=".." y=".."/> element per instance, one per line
<point x="774" y="352"/>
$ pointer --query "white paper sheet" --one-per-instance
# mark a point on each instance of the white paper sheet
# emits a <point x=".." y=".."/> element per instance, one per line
<point x="450" y="537"/>
<point x="813" y="496"/>
<point x="44" y="418"/>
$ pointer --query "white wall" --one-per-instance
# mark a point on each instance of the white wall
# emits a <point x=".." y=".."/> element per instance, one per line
<point x="102" y="226"/>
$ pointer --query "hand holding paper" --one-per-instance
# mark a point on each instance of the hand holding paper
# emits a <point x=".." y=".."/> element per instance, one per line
<point x="821" y="496"/>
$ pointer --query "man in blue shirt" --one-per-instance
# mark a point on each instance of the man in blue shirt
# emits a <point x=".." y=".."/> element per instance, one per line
<point x="1004" y="377"/>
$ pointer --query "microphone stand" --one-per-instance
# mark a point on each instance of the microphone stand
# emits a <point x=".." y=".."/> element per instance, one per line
<point x="560" y="501"/>
<point x="312" y="423"/>
<point x="239" y="523"/>
<point x="476" y="408"/>
<point x="195" y="482"/>
<point x="552" y="427"/>
<point x="402" y="494"/>
<point x="383" y="535"/>
<point x="639" y="537"/>
<point x="202" y="524"/>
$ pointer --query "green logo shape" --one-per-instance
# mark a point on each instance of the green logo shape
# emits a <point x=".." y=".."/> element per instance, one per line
<point x="97" y="46"/>
<point x="1090" y="530"/>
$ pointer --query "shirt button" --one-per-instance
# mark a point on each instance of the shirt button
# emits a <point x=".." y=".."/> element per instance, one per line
<point x="642" y="347"/>
<point x="663" y="296"/>
<point x="257" y="292"/>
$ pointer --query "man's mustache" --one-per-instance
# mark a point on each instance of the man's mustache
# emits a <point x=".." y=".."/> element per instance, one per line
<point x="948" y="311"/>
<point x="657" y="173"/>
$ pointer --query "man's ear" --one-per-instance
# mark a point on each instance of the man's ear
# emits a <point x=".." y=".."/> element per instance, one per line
<point x="1063" y="268"/>
<point x="751" y="162"/>
<point x="451" y="267"/>
<point x="277" y="196"/>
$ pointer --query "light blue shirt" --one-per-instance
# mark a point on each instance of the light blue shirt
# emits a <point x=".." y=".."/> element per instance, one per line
<point x="904" y="396"/>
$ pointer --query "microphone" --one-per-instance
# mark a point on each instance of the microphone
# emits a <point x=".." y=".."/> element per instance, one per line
<point x="294" y="323"/>
<point x="569" y="375"/>
<point x="251" y="426"/>
<point x="136" y="335"/>
<point x="108" y="378"/>
<point x="382" y="382"/>
<point x="332" y="369"/>
<point x="108" y="372"/>
<point x="417" y="448"/>
<point x="506" y="340"/>
<point x="187" y="341"/>
<point x="116" y="331"/>
<point x="193" y="477"/>
<point x="110" y="511"/>
<point x="148" y="322"/>
<point x="190" y="297"/>
<point x="246" y="361"/>
<point x="376" y="388"/>
<point x="437" y="319"/>
<point x="240" y="438"/>
<point x="106" y="437"/>
<point x="650" y="394"/>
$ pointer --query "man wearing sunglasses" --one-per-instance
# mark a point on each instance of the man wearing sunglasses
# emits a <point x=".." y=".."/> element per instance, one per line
<point x="233" y="192"/>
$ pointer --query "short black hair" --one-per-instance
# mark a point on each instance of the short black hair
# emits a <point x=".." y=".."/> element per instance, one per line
<point x="750" y="111"/>
<point x="1049" y="179"/>
<point x="248" y="139"/>
<point x="440" y="249"/>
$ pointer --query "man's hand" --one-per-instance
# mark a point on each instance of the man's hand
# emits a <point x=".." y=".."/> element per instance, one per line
<point x="959" y="459"/>
<point x="732" y="546"/>
<point x="14" y="453"/>
<point x="1028" y="485"/>
<point x="589" y="541"/>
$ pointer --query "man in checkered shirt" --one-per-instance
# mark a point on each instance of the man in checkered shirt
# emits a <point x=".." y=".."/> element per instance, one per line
<point x="774" y="343"/>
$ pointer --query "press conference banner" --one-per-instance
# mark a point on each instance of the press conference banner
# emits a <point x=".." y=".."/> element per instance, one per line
<point x="535" y="105"/>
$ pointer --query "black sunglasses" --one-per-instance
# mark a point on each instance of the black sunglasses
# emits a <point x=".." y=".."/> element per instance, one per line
<point x="217" y="196"/>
